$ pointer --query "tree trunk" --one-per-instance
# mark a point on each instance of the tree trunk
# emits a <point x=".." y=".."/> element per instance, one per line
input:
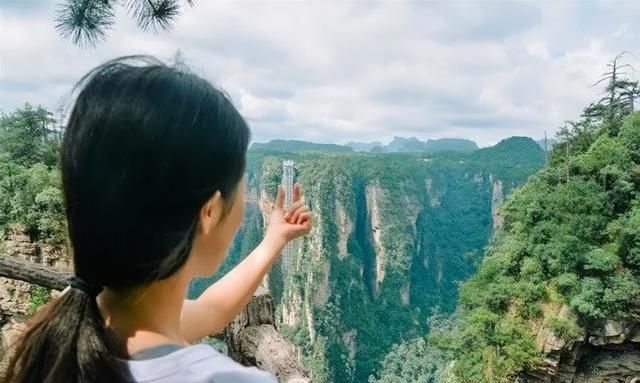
<point x="37" y="274"/>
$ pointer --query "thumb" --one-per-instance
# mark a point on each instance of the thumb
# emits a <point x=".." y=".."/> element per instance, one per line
<point x="280" y="198"/>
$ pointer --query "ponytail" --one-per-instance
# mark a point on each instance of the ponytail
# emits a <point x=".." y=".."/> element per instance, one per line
<point x="141" y="136"/>
<point x="66" y="342"/>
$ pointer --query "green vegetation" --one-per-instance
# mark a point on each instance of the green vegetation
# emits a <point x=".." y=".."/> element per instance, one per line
<point x="511" y="159"/>
<point x="39" y="296"/>
<point x="412" y="362"/>
<point x="417" y="360"/>
<point x="564" y="329"/>
<point x="571" y="237"/>
<point x="30" y="194"/>
<point x="434" y="221"/>
<point x="294" y="146"/>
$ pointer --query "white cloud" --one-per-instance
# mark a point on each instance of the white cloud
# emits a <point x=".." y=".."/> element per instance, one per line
<point x="341" y="71"/>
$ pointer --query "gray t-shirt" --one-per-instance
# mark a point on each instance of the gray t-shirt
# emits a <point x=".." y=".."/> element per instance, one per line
<point x="194" y="364"/>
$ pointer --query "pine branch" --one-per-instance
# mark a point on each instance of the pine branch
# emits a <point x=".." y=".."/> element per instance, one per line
<point x="85" y="22"/>
<point x="154" y="14"/>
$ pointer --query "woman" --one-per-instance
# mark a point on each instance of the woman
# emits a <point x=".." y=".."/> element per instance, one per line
<point x="153" y="164"/>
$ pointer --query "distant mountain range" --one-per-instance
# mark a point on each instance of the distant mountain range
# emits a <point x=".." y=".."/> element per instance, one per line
<point x="413" y="145"/>
<point x="295" y="146"/>
<point x="397" y="145"/>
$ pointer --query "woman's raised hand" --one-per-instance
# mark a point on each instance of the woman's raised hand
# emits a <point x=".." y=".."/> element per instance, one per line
<point x="289" y="224"/>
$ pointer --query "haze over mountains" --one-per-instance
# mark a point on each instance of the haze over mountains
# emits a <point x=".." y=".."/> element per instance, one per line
<point x="397" y="145"/>
<point x="412" y="144"/>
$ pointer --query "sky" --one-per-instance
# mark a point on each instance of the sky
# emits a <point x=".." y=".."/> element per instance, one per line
<point x="338" y="71"/>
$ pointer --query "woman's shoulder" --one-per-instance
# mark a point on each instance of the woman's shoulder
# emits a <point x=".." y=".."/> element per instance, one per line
<point x="195" y="364"/>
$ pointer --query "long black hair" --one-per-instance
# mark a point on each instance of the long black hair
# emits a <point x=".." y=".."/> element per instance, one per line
<point x="145" y="147"/>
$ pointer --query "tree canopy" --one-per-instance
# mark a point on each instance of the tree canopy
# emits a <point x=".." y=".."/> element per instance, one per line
<point x="571" y="238"/>
<point x="30" y="193"/>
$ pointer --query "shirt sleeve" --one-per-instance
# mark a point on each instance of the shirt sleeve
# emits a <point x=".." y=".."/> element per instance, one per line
<point x="243" y="375"/>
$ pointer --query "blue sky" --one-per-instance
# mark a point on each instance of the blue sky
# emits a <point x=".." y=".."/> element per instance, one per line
<point x="336" y="71"/>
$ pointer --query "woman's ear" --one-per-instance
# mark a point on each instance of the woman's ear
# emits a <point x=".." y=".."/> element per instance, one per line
<point x="211" y="213"/>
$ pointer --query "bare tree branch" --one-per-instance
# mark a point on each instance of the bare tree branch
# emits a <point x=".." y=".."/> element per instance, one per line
<point x="37" y="274"/>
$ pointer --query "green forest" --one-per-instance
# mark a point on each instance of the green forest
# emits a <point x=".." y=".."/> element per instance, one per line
<point x="434" y="218"/>
<point x="571" y="237"/>
<point x="30" y="195"/>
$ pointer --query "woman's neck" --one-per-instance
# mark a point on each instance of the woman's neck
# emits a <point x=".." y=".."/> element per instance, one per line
<point x="147" y="316"/>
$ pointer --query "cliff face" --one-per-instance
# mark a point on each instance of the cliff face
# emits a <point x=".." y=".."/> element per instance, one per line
<point x="393" y="236"/>
<point x="558" y="292"/>
<point x="17" y="298"/>
<point x="610" y="353"/>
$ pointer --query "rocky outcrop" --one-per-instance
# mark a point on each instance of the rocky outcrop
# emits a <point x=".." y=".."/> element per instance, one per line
<point x="349" y="341"/>
<point x="311" y="327"/>
<point x="10" y="328"/>
<point x="319" y="281"/>
<point x="252" y="339"/>
<point x="291" y="310"/>
<point x="373" y="195"/>
<point x="610" y="353"/>
<point x="497" y="195"/>
<point x="345" y="228"/>
<point x="405" y="294"/>
<point x="15" y="295"/>
<point x="434" y="197"/>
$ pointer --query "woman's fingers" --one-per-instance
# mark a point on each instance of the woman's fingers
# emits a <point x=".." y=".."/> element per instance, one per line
<point x="304" y="217"/>
<point x="280" y="197"/>
<point x="298" y="213"/>
<point x="296" y="205"/>
<point x="293" y="218"/>
<point x="304" y="227"/>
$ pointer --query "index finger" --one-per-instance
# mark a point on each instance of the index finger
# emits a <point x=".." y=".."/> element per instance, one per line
<point x="296" y="192"/>
<point x="280" y="197"/>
